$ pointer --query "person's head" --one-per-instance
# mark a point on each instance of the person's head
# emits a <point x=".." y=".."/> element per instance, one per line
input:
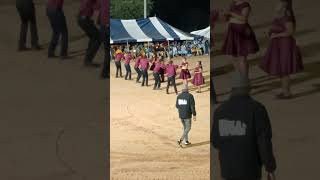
<point x="240" y="84"/>
<point x="142" y="53"/>
<point x="170" y="62"/>
<point x="199" y="64"/>
<point x="185" y="88"/>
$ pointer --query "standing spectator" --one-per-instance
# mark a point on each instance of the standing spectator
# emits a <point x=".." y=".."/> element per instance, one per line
<point x="59" y="28"/>
<point x="87" y="9"/>
<point x="242" y="134"/>
<point x="27" y="14"/>
<point x="185" y="104"/>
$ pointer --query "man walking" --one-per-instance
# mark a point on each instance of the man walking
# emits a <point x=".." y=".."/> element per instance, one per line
<point x="87" y="9"/>
<point x="186" y="107"/>
<point x="27" y="14"/>
<point x="242" y="134"/>
<point x="59" y="27"/>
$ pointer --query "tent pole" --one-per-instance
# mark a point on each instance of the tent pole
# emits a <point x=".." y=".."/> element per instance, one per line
<point x="168" y="53"/>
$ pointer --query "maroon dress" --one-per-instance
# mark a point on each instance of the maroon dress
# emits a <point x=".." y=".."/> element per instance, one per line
<point x="240" y="39"/>
<point x="185" y="74"/>
<point x="198" y="78"/>
<point x="282" y="57"/>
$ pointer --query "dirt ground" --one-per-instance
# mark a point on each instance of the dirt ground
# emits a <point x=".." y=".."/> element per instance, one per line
<point x="52" y="120"/>
<point x="295" y="122"/>
<point x="145" y="127"/>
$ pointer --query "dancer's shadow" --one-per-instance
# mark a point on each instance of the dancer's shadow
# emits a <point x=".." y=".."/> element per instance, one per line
<point x="197" y="144"/>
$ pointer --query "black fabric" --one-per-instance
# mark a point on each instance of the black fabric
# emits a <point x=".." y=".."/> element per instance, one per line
<point x="139" y="74"/>
<point x="118" y="67"/>
<point x="145" y="77"/>
<point x="172" y="82"/>
<point x="106" y="63"/>
<point x="93" y="33"/>
<point x="59" y="27"/>
<point x="243" y="154"/>
<point x="157" y="80"/>
<point x="213" y="93"/>
<point x="27" y="15"/>
<point x="186" y="105"/>
<point x="128" y="71"/>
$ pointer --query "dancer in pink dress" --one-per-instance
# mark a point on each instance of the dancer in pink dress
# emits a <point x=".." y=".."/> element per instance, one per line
<point x="185" y="74"/>
<point x="198" y="78"/>
<point x="240" y="39"/>
<point x="283" y="57"/>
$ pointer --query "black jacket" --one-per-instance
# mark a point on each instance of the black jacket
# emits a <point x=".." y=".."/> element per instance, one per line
<point x="242" y="134"/>
<point x="186" y="105"/>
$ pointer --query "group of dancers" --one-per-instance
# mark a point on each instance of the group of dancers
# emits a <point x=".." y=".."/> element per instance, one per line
<point x="55" y="13"/>
<point x="158" y="66"/>
<point x="282" y="57"/>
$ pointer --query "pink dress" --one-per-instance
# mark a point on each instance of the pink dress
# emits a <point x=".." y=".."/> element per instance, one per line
<point x="282" y="57"/>
<point x="198" y="78"/>
<point x="185" y="74"/>
<point x="240" y="40"/>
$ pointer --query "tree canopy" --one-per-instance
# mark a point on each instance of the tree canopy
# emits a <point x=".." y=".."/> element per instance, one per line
<point x="129" y="9"/>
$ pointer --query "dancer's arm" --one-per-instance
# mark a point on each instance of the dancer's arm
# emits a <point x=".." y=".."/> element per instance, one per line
<point x="289" y="31"/>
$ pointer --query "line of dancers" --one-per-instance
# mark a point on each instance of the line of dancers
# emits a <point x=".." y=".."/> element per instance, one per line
<point x="142" y="65"/>
<point x="282" y="57"/>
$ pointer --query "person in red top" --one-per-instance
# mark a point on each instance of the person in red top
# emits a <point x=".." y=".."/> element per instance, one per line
<point x="127" y="59"/>
<point x="87" y="9"/>
<point x="104" y="30"/>
<point x="171" y="74"/>
<point x="117" y="60"/>
<point x="136" y="67"/>
<point x="159" y="66"/>
<point x="144" y="66"/>
<point x="59" y="27"/>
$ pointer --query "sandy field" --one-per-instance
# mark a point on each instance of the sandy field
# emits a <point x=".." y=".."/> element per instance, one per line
<point x="145" y="127"/>
<point x="52" y="120"/>
<point x="295" y="122"/>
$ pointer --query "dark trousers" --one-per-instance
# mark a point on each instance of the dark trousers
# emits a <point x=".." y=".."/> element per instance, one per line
<point x="213" y="93"/>
<point x="139" y="73"/>
<point x="106" y="63"/>
<point x="128" y="71"/>
<point x="88" y="26"/>
<point x="59" y="29"/>
<point x="145" y="77"/>
<point x="157" y="80"/>
<point x="28" y="16"/>
<point x="172" y="82"/>
<point x="162" y="76"/>
<point x="118" y="68"/>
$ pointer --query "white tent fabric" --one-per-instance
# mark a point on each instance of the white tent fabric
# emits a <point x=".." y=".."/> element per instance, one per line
<point x="203" y="32"/>
<point x="144" y="30"/>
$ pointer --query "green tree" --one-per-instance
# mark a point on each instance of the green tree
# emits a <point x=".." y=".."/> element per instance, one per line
<point x="129" y="9"/>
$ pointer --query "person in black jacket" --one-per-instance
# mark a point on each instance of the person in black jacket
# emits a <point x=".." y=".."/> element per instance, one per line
<point x="186" y="107"/>
<point x="242" y="134"/>
<point x="27" y="14"/>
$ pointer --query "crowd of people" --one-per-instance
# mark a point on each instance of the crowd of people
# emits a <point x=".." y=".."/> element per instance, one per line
<point x="159" y="64"/>
<point x="241" y="127"/>
<point x="96" y="32"/>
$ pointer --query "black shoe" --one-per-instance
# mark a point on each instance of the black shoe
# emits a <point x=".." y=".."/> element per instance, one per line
<point x="179" y="142"/>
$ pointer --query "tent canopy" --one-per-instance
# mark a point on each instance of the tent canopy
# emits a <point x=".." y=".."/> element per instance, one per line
<point x="203" y="32"/>
<point x="144" y="30"/>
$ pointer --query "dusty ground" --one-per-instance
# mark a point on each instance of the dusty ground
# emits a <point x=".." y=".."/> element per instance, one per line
<point x="52" y="120"/>
<point x="145" y="127"/>
<point x="295" y="122"/>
